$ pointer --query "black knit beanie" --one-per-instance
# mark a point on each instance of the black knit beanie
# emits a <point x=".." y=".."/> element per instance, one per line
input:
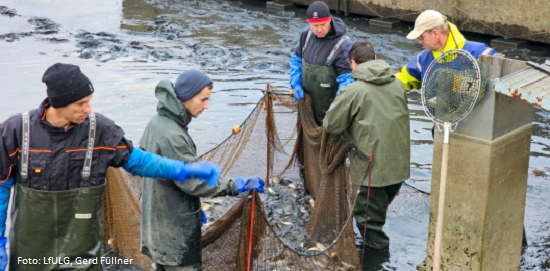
<point x="66" y="84"/>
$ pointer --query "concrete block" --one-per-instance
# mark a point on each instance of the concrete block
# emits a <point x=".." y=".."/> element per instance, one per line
<point x="387" y="23"/>
<point x="279" y="5"/>
<point x="509" y="43"/>
<point x="485" y="201"/>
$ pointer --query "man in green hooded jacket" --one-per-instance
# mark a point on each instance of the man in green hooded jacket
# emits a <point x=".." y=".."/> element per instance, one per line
<point x="171" y="212"/>
<point x="372" y="113"/>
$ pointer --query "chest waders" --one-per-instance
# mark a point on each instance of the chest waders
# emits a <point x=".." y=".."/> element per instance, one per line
<point x="62" y="225"/>
<point x="320" y="82"/>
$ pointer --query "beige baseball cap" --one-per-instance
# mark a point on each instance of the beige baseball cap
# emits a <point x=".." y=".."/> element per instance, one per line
<point x="427" y="20"/>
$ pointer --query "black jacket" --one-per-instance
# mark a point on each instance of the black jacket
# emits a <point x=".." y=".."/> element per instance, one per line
<point x="56" y="156"/>
<point x="318" y="50"/>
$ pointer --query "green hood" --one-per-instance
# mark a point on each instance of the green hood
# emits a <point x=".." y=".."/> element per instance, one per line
<point x="169" y="105"/>
<point x="375" y="72"/>
<point x="170" y="211"/>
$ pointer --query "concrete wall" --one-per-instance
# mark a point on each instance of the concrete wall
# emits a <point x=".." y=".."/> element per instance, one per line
<point x="508" y="17"/>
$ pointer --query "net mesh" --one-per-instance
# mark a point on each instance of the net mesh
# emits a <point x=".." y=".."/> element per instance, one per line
<point x="321" y="160"/>
<point x="122" y="216"/>
<point x="278" y="140"/>
<point x="452" y="85"/>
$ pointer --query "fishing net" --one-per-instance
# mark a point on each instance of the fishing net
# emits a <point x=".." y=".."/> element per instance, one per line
<point x="122" y="216"/>
<point x="452" y="85"/>
<point x="279" y="140"/>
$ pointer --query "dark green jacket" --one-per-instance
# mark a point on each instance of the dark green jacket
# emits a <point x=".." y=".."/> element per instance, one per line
<point x="170" y="211"/>
<point x="373" y="115"/>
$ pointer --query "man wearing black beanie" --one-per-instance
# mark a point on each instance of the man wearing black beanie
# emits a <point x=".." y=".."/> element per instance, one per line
<point x="166" y="134"/>
<point x="320" y="66"/>
<point x="66" y="84"/>
<point x="57" y="157"/>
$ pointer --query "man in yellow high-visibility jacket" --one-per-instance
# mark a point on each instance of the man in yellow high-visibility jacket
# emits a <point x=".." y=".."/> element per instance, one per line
<point x="436" y="34"/>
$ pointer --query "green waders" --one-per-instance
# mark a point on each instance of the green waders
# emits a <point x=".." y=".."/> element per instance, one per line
<point x="380" y="198"/>
<point x="56" y="227"/>
<point x="320" y="82"/>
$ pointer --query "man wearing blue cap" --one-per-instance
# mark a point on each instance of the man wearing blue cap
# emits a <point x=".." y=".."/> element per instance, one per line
<point x="174" y="241"/>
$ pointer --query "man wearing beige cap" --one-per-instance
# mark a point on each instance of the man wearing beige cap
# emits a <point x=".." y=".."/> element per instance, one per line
<point x="436" y="34"/>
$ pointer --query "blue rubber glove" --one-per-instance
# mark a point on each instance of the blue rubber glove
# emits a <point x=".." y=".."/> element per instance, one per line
<point x="252" y="183"/>
<point x="4" y="201"/>
<point x="148" y="164"/>
<point x="296" y="76"/>
<point x="207" y="171"/>
<point x="343" y="80"/>
<point x="5" y="188"/>
<point x="3" y="254"/>
<point x="204" y="218"/>
<point x="298" y="93"/>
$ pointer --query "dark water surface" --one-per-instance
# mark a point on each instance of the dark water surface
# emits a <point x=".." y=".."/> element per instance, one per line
<point x="127" y="47"/>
